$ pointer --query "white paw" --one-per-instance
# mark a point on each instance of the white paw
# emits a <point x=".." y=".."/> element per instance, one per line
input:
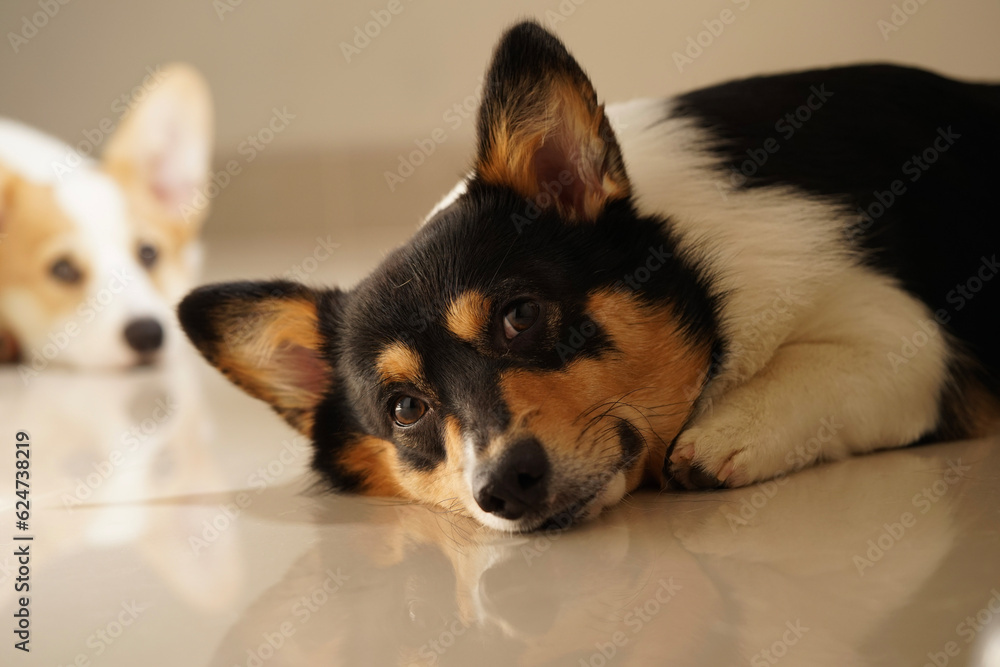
<point x="725" y="451"/>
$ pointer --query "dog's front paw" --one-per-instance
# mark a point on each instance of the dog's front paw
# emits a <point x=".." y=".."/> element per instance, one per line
<point x="722" y="455"/>
<point x="698" y="463"/>
<point x="684" y="467"/>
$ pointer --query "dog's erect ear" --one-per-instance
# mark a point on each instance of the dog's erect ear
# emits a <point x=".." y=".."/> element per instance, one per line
<point x="270" y="338"/>
<point x="541" y="130"/>
<point x="164" y="144"/>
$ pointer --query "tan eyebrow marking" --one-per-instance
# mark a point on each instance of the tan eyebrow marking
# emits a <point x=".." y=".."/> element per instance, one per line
<point x="400" y="363"/>
<point x="467" y="315"/>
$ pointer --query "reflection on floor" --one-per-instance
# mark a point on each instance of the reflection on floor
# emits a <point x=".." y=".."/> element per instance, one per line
<point x="176" y="523"/>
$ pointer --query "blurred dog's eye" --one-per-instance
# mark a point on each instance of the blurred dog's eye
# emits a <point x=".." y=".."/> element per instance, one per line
<point x="64" y="270"/>
<point x="520" y="316"/>
<point x="408" y="410"/>
<point x="148" y="254"/>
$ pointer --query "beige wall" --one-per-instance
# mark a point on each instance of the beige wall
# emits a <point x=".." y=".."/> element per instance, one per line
<point x="353" y="119"/>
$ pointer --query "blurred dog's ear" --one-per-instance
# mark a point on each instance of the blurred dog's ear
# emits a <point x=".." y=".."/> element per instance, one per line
<point x="542" y="131"/>
<point x="164" y="144"/>
<point x="273" y="339"/>
<point x="9" y="351"/>
<point x="7" y="184"/>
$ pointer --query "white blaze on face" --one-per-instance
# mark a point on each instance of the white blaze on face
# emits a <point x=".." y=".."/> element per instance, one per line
<point x="118" y="288"/>
<point x="609" y="496"/>
<point x="471" y="463"/>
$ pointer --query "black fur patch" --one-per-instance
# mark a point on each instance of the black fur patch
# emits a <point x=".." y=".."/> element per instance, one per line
<point x="505" y="247"/>
<point x="477" y="244"/>
<point x="850" y="135"/>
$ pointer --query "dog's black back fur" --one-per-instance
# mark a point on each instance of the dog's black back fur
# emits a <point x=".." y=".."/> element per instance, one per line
<point x="938" y="232"/>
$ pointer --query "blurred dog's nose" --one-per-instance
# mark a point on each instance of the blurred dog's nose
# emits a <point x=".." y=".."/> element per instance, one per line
<point x="515" y="484"/>
<point x="144" y="335"/>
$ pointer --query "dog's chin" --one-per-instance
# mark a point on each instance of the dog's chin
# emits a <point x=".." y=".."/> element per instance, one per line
<point x="568" y="513"/>
<point x="145" y="360"/>
<point x="113" y="365"/>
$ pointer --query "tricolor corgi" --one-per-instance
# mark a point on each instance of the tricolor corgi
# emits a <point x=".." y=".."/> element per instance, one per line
<point x="704" y="291"/>
<point x="94" y="255"/>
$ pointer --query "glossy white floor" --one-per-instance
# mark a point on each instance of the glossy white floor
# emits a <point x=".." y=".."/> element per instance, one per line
<point x="174" y="524"/>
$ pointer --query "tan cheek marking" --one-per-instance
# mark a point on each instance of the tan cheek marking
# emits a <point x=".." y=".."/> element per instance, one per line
<point x="657" y="369"/>
<point x="375" y="462"/>
<point x="32" y="222"/>
<point x="444" y="486"/>
<point x="468" y="316"/>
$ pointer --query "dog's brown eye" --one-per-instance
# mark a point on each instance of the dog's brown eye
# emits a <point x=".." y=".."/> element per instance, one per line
<point x="519" y="317"/>
<point x="64" y="270"/>
<point x="409" y="410"/>
<point x="148" y="254"/>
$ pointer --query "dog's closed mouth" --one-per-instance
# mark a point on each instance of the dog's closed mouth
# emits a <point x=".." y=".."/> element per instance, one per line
<point x="568" y="517"/>
<point x="588" y="506"/>
<point x="146" y="360"/>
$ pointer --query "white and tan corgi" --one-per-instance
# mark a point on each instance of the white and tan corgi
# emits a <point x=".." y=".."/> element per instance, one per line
<point x="95" y="253"/>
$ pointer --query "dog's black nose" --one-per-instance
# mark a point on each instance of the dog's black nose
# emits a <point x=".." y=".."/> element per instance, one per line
<point x="515" y="484"/>
<point x="144" y="335"/>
